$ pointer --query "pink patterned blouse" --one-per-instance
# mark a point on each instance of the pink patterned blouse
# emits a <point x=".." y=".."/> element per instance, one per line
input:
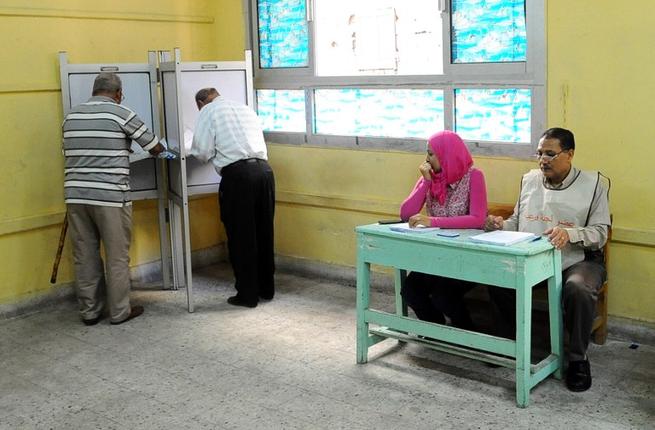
<point x="465" y="206"/>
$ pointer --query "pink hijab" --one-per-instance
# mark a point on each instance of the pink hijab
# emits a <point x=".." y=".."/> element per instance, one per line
<point x="455" y="160"/>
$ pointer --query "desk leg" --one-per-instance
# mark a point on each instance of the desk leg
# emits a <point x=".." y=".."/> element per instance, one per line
<point x="523" y="344"/>
<point x="363" y="298"/>
<point x="399" y="281"/>
<point x="555" y="314"/>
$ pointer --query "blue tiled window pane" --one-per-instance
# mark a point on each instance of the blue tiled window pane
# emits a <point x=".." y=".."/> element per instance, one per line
<point x="488" y="31"/>
<point x="378" y="113"/>
<point x="281" y="110"/>
<point x="499" y="115"/>
<point x="283" y="37"/>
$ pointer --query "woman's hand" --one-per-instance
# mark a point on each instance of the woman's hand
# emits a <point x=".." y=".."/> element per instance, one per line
<point x="425" y="168"/>
<point x="493" y="223"/>
<point x="419" y="220"/>
<point x="558" y="237"/>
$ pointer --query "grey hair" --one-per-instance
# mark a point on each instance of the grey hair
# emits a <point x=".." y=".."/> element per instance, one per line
<point x="203" y="94"/>
<point x="107" y="83"/>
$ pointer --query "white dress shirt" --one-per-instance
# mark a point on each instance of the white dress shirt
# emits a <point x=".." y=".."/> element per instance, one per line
<point x="227" y="132"/>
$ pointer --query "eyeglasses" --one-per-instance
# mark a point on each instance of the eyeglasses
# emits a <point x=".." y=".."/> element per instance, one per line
<point x="548" y="156"/>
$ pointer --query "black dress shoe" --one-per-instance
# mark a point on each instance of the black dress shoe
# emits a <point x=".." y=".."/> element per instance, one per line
<point x="266" y="297"/>
<point x="92" y="321"/>
<point x="578" y="377"/>
<point x="238" y="301"/>
<point x="134" y="312"/>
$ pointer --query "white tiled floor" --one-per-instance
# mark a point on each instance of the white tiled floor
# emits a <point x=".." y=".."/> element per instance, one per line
<point x="287" y="364"/>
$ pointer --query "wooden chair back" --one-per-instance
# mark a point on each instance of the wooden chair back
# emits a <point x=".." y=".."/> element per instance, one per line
<point x="599" y="328"/>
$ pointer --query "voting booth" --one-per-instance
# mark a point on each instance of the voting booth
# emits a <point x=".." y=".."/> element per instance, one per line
<point x="147" y="176"/>
<point x="167" y="79"/>
<point x="186" y="175"/>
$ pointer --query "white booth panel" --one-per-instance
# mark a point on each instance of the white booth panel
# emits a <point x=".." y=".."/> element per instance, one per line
<point x="169" y="95"/>
<point x="174" y="178"/>
<point x="136" y="89"/>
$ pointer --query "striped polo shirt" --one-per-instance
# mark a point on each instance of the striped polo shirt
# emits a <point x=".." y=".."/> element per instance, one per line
<point x="97" y="137"/>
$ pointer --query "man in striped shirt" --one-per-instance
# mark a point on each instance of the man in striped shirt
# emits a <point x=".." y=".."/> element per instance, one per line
<point x="230" y="135"/>
<point x="97" y="137"/>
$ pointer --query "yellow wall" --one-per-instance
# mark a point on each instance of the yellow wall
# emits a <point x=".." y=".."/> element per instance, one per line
<point x="31" y="178"/>
<point x="228" y="38"/>
<point x="599" y="85"/>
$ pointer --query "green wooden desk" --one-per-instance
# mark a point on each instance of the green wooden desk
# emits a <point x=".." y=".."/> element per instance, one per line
<point x="519" y="267"/>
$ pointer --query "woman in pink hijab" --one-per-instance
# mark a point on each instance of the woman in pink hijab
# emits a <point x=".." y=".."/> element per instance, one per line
<point x="452" y="190"/>
<point x="455" y="196"/>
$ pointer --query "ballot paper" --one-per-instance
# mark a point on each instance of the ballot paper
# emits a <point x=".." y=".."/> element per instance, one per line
<point x="403" y="227"/>
<point x="137" y="153"/>
<point x="188" y="139"/>
<point x="503" y="238"/>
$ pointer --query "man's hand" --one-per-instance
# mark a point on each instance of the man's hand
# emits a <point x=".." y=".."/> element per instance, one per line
<point x="425" y="168"/>
<point x="419" y="220"/>
<point x="493" y="223"/>
<point x="558" y="237"/>
<point x="160" y="147"/>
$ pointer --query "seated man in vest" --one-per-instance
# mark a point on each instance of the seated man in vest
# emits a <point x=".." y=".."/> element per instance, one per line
<point x="570" y="208"/>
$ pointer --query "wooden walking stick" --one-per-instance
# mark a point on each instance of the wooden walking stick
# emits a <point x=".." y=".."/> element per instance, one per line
<point x="62" y="238"/>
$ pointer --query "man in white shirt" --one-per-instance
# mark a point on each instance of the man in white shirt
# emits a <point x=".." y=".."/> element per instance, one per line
<point x="229" y="135"/>
<point x="570" y="207"/>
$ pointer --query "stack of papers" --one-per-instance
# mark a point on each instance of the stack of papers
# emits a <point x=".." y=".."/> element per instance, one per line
<point x="504" y="238"/>
<point x="404" y="227"/>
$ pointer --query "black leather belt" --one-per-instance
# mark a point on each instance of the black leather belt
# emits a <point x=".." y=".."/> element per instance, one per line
<point x="244" y="161"/>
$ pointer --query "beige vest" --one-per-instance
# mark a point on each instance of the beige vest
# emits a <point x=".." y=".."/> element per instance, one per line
<point x="541" y="208"/>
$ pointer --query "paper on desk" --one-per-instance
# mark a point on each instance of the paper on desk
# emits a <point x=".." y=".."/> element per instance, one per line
<point x="502" y="237"/>
<point x="404" y="227"/>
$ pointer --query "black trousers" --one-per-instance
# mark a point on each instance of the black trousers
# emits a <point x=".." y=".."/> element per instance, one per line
<point x="247" y="206"/>
<point x="431" y="297"/>
<point x="580" y="285"/>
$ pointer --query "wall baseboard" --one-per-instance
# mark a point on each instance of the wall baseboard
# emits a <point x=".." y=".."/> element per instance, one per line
<point x="640" y="332"/>
<point x="335" y="273"/>
<point x="62" y="293"/>
<point x="619" y="328"/>
<point x="148" y="273"/>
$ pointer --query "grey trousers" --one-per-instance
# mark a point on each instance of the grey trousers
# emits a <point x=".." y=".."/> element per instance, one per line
<point x="580" y="285"/>
<point x="88" y="226"/>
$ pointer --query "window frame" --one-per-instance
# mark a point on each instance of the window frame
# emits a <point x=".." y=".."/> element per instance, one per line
<point x="530" y="74"/>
